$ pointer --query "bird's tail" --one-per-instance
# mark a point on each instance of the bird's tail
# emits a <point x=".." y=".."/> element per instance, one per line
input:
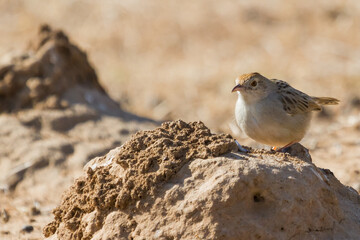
<point x="326" y="100"/>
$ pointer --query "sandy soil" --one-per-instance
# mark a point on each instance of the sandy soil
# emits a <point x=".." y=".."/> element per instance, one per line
<point x="55" y="117"/>
<point x="167" y="61"/>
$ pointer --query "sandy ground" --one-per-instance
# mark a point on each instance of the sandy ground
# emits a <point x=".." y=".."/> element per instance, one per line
<point x="166" y="61"/>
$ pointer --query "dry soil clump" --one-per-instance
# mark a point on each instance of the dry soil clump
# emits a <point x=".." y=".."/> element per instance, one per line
<point x="179" y="181"/>
<point x="133" y="172"/>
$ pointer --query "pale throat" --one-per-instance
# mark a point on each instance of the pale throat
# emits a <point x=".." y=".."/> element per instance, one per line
<point x="248" y="98"/>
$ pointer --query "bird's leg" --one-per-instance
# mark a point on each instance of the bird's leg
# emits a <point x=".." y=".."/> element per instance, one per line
<point x="241" y="148"/>
<point x="284" y="148"/>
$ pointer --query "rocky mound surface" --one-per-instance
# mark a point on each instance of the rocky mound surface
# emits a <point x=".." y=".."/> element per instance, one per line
<point x="55" y="117"/>
<point x="179" y="181"/>
<point x="132" y="173"/>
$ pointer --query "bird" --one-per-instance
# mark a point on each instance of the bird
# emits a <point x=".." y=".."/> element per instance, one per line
<point x="272" y="112"/>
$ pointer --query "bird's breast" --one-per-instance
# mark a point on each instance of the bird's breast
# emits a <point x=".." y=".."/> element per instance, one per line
<point x="266" y="122"/>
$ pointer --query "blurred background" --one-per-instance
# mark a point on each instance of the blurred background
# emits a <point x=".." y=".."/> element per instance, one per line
<point x="167" y="60"/>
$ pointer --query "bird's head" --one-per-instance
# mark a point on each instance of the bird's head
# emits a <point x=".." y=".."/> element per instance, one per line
<point x="252" y="86"/>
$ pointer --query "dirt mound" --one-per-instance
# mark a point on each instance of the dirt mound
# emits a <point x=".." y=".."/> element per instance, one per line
<point x="55" y="117"/>
<point x="39" y="78"/>
<point x="167" y="184"/>
<point x="142" y="165"/>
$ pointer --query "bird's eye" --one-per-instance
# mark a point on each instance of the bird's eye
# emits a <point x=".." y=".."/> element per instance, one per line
<point x="253" y="83"/>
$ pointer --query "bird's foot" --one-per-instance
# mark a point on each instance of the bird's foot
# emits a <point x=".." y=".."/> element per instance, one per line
<point x="283" y="149"/>
<point x="241" y="148"/>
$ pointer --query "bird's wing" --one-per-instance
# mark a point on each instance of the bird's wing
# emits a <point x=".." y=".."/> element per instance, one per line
<point x="295" y="101"/>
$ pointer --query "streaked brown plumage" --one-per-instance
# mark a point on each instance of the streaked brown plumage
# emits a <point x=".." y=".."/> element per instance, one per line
<point x="272" y="112"/>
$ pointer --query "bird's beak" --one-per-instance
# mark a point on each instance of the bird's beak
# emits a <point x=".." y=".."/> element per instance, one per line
<point x="237" y="88"/>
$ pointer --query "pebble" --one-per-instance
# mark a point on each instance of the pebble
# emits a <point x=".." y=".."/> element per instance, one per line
<point x="35" y="209"/>
<point x="4" y="215"/>
<point x="27" y="229"/>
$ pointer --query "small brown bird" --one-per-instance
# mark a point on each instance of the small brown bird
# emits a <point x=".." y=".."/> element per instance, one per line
<point x="272" y="112"/>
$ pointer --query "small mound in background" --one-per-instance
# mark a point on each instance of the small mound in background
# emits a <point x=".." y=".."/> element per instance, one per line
<point x="133" y="172"/>
<point x="39" y="78"/>
<point x="179" y="181"/>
